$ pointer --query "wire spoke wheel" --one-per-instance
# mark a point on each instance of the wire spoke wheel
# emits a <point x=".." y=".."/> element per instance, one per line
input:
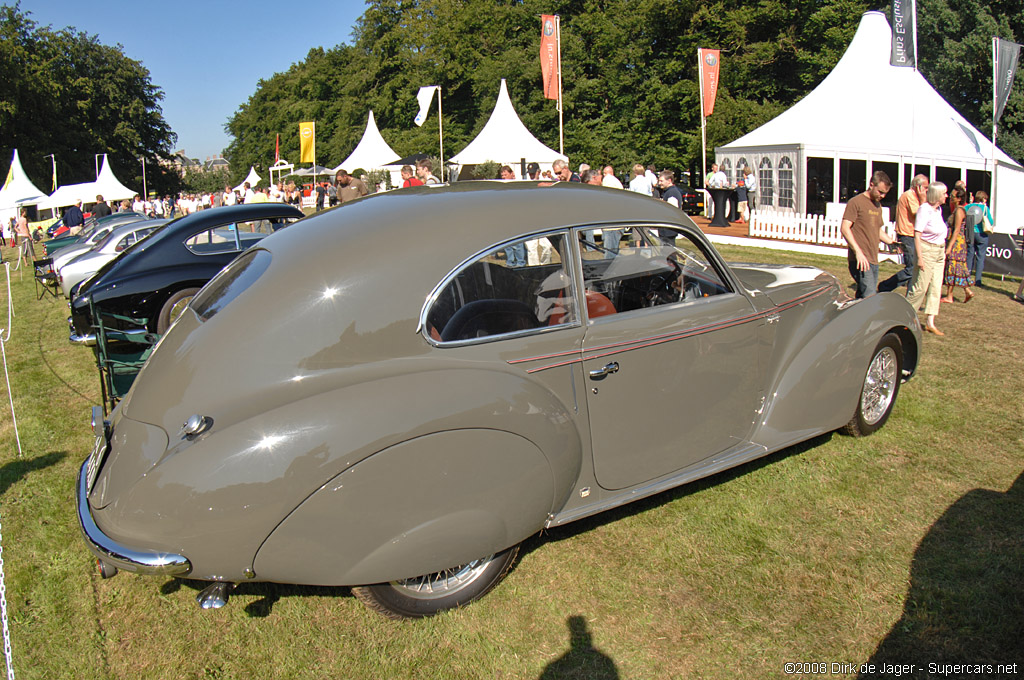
<point x="437" y="592"/>
<point x="443" y="583"/>
<point x="879" y="386"/>
<point x="879" y="389"/>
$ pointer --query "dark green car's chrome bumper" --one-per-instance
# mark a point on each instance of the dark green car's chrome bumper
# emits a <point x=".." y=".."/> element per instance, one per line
<point x="112" y="553"/>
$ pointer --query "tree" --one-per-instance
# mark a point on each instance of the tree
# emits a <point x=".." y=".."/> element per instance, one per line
<point x="65" y="93"/>
<point x="629" y="73"/>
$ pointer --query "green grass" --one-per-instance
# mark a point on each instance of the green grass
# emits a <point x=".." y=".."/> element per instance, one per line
<point x="904" y="547"/>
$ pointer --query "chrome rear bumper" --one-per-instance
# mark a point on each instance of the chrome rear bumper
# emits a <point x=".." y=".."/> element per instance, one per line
<point x="120" y="556"/>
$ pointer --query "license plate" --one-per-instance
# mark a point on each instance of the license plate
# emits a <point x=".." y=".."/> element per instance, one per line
<point x="92" y="469"/>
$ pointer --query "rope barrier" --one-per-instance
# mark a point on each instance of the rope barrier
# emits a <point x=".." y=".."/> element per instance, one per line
<point x="5" y="335"/>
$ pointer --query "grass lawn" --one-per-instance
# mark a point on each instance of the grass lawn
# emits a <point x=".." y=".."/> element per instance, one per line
<point x="906" y="547"/>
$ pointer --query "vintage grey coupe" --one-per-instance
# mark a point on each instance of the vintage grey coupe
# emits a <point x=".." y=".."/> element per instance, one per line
<point x="393" y="394"/>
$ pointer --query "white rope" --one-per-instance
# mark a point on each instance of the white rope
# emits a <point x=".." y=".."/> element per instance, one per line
<point x="5" y="335"/>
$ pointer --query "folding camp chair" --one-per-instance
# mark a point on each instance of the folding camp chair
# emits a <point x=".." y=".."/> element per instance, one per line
<point x="120" y="352"/>
<point x="45" y="278"/>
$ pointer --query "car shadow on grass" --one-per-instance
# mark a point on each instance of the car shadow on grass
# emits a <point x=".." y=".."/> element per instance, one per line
<point x="268" y="593"/>
<point x="637" y="507"/>
<point x="13" y="472"/>
<point x="965" y="603"/>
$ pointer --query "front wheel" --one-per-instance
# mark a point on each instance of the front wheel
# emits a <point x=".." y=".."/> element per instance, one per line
<point x="434" y="593"/>
<point x="173" y="308"/>
<point x="881" y="385"/>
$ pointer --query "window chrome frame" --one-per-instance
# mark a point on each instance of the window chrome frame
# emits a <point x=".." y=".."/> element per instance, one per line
<point x="569" y="264"/>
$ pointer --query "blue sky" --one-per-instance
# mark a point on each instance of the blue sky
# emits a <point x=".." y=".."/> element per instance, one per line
<point x="207" y="57"/>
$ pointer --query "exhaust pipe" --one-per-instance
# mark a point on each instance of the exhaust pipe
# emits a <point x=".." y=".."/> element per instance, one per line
<point x="215" y="595"/>
<point x="106" y="570"/>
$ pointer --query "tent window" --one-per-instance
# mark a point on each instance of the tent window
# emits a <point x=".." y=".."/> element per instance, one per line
<point x="765" y="183"/>
<point x="785" y="183"/>
<point x="727" y="169"/>
<point x="852" y="178"/>
<point x="820" y="173"/>
<point x="740" y="164"/>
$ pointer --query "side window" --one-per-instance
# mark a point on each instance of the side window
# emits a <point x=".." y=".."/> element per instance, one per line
<point x="222" y="239"/>
<point x="648" y="267"/>
<point x="515" y="288"/>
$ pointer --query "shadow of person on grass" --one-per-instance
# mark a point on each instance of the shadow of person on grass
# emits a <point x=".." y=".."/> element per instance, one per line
<point x="582" y="660"/>
<point x="965" y="604"/>
<point x="11" y="473"/>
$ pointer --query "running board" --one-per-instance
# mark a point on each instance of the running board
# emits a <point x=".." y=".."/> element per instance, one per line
<point x="710" y="467"/>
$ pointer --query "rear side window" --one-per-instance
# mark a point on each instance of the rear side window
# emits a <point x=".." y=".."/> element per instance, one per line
<point x="223" y="239"/>
<point x="516" y="288"/>
<point x="230" y="283"/>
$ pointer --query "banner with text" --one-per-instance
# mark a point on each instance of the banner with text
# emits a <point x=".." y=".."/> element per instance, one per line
<point x="1006" y="54"/>
<point x="904" y="33"/>
<point x="708" y="78"/>
<point x="550" y="66"/>
<point x="307" y="142"/>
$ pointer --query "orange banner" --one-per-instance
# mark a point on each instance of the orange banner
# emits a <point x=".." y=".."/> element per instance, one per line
<point x="708" y="78"/>
<point x="550" y="59"/>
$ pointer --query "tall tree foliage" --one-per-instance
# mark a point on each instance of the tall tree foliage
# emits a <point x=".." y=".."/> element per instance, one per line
<point x="65" y="93"/>
<point x="629" y="73"/>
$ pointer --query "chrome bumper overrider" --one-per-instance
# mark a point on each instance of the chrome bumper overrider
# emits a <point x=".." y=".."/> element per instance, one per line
<point x="123" y="557"/>
<point x="87" y="340"/>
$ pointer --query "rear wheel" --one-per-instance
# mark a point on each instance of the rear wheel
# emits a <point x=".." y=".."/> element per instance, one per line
<point x="173" y="308"/>
<point x="434" y="593"/>
<point x="880" y="387"/>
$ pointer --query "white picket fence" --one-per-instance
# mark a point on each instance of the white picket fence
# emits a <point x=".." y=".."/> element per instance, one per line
<point x="790" y="226"/>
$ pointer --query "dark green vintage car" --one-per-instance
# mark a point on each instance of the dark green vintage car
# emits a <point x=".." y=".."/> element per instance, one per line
<point x="394" y="394"/>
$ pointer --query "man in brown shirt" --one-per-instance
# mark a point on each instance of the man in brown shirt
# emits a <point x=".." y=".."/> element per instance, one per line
<point x="349" y="188"/>
<point x="862" y="228"/>
<point x="906" y="212"/>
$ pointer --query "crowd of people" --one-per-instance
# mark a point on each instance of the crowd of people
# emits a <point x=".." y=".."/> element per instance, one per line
<point x="937" y="251"/>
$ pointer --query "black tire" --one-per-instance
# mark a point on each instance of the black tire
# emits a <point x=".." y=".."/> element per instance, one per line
<point x="880" y="387"/>
<point x="434" y="593"/>
<point x="172" y="308"/>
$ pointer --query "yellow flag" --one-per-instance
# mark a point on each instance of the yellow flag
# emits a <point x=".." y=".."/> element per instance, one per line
<point x="307" y="142"/>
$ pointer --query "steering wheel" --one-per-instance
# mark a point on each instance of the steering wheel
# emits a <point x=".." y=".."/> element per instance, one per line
<point x="664" y="288"/>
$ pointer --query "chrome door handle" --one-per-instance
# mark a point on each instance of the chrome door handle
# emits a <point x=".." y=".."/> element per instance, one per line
<point x="607" y="369"/>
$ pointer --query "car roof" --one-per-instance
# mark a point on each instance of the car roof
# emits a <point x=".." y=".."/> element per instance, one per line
<point x="424" y="232"/>
<point x="121" y="229"/>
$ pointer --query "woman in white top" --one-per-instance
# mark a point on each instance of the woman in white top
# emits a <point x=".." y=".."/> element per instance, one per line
<point x="930" y="240"/>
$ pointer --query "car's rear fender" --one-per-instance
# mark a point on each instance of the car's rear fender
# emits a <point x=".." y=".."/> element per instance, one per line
<point x="415" y="508"/>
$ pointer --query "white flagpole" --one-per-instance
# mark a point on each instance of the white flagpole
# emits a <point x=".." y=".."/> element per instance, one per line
<point x="558" y="42"/>
<point x="703" y="125"/>
<point x="440" y="131"/>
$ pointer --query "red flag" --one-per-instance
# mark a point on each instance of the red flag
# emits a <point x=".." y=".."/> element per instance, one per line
<point x="708" y="78"/>
<point x="277" y="150"/>
<point x="550" y="59"/>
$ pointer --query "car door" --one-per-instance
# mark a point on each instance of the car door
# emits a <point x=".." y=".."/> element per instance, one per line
<point x="672" y="362"/>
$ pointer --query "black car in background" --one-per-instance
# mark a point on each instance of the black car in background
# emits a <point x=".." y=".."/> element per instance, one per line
<point x="149" y="284"/>
<point x="693" y="199"/>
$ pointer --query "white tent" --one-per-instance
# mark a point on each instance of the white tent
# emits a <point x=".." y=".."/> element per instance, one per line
<point x="868" y="115"/>
<point x="18" y="190"/>
<point x="252" y="178"/>
<point x="372" y="152"/>
<point x="69" y="193"/>
<point x="505" y="140"/>
<point x="108" y="186"/>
